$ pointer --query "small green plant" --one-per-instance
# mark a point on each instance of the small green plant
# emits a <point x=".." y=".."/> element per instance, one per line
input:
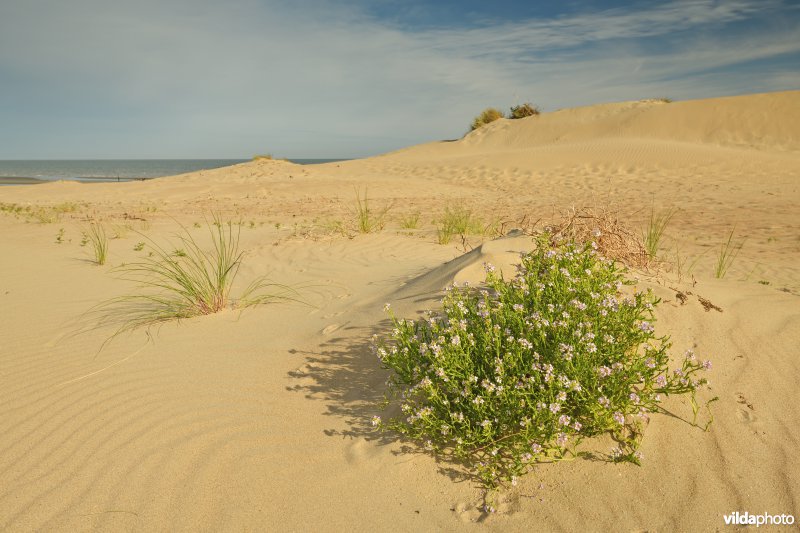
<point x="95" y="235"/>
<point x="258" y="157"/>
<point x="139" y="246"/>
<point x="523" y="371"/>
<point x="457" y="220"/>
<point x="198" y="282"/>
<point x="763" y="282"/>
<point x="727" y="254"/>
<point x="179" y="252"/>
<point x="369" y="220"/>
<point x="655" y="230"/>
<point x="410" y="221"/>
<point x="487" y="115"/>
<point x="523" y="110"/>
<point x="60" y="236"/>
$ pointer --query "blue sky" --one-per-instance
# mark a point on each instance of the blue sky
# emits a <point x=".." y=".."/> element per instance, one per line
<point x="214" y="79"/>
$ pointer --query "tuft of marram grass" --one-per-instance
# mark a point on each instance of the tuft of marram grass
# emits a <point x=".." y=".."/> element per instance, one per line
<point x="457" y="220"/>
<point x="410" y="221"/>
<point x="727" y="254"/>
<point x="95" y="235"/>
<point x="194" y="283"/>
<point x="655" y="229"/>
<point x="368" y="219"/>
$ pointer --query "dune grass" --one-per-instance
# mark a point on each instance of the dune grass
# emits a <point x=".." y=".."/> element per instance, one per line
<point x="196" y="282"/>
<point x="95" y="235"/>
<point x="655" y="229"/>
<point x="369" y="219"/>
<point x="727" y="254"/>
<point x="410" y="221"/>
<point x="457" y="220"/>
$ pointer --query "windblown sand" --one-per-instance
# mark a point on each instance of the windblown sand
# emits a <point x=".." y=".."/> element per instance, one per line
<point x="260" y="419"/>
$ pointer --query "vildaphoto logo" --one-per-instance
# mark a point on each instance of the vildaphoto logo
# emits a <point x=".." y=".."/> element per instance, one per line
<point x="764" y="519"/>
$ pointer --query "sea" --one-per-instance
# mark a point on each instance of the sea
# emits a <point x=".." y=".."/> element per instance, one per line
<point x="99" y="170"/>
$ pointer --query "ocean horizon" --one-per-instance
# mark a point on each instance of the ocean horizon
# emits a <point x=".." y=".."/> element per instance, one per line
<point x="22" y="171"/>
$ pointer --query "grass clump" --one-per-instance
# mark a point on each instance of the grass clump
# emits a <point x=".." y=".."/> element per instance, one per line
<point x="523" y="371"/>
<point x="95" y="235"/>
<point x="198" y="281"/>
<point x="655" y="230"/>
<point x="488" y="115"/>
<point x="523" y="110"/>
<point x="410" y="221"/>
<point x="368" y="219"/>
<point x="457" y="220"/>
<point x="258" y="157"/>
<point x="727" y="254"/>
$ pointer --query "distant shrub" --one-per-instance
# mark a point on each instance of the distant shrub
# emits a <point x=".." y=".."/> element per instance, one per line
<point x="262" y="156"/>
<point x="523" y="110"/>
<point x="490" y="114"/>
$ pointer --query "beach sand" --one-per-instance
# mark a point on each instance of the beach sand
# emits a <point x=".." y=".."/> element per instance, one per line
<point x="260" y="419"/>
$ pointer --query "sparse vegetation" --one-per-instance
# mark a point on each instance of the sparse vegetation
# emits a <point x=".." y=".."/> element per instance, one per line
<point x="487" y="115"/>
<point x="410" y="221"/>
<point x="95" y="235"/>
<point x="727" y="254"/>
<point x="198" y="282"/>
<point x="457" y="220"/>
<point x="367" y="219"/>
<point x="655" y="230"/>
<point x="258" y="157"/>
<point x="523" y="110"/>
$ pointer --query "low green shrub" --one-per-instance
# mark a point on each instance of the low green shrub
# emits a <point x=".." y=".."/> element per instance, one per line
<point x="490" y="114"/>
<point x="522" y="371"/>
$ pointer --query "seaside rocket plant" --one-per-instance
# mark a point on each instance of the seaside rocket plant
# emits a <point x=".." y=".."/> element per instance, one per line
<point x="522" y="371"/>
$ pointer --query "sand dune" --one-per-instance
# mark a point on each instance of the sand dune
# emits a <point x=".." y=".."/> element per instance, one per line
<point x="260" y="420"/>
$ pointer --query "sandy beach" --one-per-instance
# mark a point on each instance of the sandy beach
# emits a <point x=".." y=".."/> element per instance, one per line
<point x="259" y="419"/>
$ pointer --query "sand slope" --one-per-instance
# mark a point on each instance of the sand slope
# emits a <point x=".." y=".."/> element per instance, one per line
<point x="260" y="420"/>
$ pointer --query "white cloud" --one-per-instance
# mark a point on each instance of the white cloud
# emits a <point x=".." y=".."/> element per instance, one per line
<point x="203" y="78"/>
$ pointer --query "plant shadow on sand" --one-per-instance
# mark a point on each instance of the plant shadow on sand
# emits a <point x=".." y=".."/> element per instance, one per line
<point x="346" y="375"/>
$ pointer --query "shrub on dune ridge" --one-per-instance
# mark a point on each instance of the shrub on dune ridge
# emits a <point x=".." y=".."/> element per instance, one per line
<point x="523" y="110"/>
<point x="488" y="115"/>
<point x="524" y="370"/>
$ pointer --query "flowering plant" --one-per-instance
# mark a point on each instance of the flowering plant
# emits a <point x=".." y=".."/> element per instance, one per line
<point x="521" y="371"/>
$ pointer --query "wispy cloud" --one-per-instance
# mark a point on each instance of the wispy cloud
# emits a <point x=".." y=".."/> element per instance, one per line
<point x="92" y="78"/>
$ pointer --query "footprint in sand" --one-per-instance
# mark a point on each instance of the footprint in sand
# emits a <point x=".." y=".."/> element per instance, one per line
<point x="359" y="450"/>
<point x="744" y="416"/>
<point x="467" y="512"/>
